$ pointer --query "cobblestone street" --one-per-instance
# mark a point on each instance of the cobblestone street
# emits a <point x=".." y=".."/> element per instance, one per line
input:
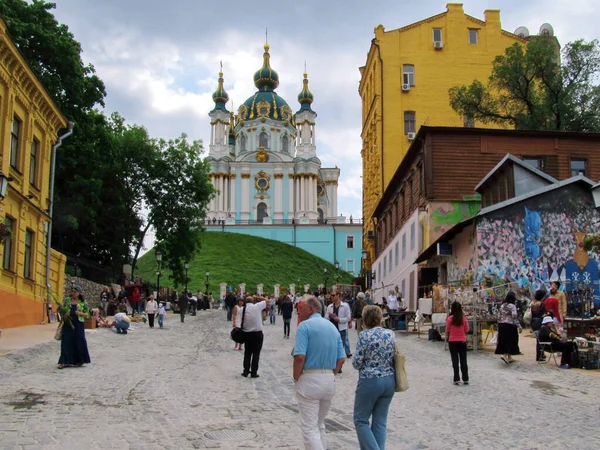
<point x="181" y="388"/>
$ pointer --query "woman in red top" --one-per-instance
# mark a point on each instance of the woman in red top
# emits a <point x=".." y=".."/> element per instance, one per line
<point x="551" y="304"/>
<point x="457" y="328"/>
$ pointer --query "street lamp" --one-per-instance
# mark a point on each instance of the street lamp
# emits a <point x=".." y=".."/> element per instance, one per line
<point x="207" y="283"/>
<point x="4" y="180"/>
<point x="337" y="267"/>
<point x="325" y="276"/>
<point x="187" y="266"/>
<point x="158" y="261"/>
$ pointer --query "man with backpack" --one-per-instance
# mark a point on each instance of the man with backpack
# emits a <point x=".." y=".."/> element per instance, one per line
<point x="357" y="308"/>
<point x="230" y="302"/>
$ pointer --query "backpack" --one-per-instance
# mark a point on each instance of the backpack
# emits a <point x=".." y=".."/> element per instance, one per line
<point x="434" y="335"/>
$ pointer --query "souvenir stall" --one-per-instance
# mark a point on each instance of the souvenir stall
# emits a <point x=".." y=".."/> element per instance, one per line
<point x="582" y="323"/>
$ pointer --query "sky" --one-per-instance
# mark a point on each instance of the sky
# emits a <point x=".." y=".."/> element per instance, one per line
<point x="160" y="60"/>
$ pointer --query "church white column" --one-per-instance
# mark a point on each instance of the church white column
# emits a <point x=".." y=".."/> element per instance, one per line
<point x="213" y="202"/>
<point x="291" y="192"/>
<point x="278" y="196"/>
<point x="303" y="192"/>
<point x="212" y="135"/>
<point x="297" y="193"/>
<point x="225" y="193"/>
<point x="219" y="193"/>
<point x="232" y="195"/>
<point x="245" y="196"/>
<point x="335" y="205"/>
<point x="314" y="193"/>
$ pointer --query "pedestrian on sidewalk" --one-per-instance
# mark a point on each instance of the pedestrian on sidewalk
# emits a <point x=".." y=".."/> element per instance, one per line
<point x="287" y="309"/>
<point x="253" y="326"/>
<point x="237" y="320"/>
<point x="457" y="327"/>
<point x="151" y="310"/>
<point x="183" y="305"/>
<point x="272" y="310"/>
<point x="318" y="357"/>
<point x="374" y="360"/>
<point x="509" y="328"/>
<point x="538" y="311"/>
<point x="73" y="345"/>
<point x="162" y="312"/>
<point x="104" y="298"/>
<point x="357" y="309"/>
<point x="230" y="301"/>
<point x="339" y="314"/>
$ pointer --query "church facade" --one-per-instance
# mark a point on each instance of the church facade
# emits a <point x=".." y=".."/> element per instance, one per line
<point x="268" y="177"/>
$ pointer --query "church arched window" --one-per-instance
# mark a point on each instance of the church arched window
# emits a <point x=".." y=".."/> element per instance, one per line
<point x="263" y="140"/>
<point x="243" y="143"/>
<point x="261" y="212"/>
<point x="285" y="144"/>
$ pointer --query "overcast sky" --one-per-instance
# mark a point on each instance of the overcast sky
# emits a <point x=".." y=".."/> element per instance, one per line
<point x="160" y="59"/>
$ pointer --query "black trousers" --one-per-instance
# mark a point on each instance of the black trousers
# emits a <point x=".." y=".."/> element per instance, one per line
<point x="566" y="348"/>
<point x="458" y="352"/>
<point x="286" y="326"/>
<point x="151" y="320"/>
<point x="254" y="343"/>
<point x="182" y="313"/>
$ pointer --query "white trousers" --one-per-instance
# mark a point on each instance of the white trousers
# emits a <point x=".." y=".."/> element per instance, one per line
<point x="314" y="392"/>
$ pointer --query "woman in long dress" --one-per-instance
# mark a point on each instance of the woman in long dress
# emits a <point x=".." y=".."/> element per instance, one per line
<point x="73" y="346"/>
<point x="237" y="320"/>
<point x="509" y="328"/>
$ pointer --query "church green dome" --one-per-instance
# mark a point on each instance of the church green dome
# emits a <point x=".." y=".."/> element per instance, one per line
<point x="266" y="79"/>
<point x="220" y="96"/>
<point x="305" y="97"/>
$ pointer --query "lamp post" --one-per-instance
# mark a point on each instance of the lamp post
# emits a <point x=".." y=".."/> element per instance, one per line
<point x="158" y="261"/>
<point x="325" y="276"/>
<point x="4" y="180"/>
<point x="207" y="282"/>
<point x="187" y="266"/>
<point x="363" y="258"/>
<point x="337" y="268"/>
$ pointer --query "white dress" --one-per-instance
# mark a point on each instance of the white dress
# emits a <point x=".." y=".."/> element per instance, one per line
<point x="238" y="316"/>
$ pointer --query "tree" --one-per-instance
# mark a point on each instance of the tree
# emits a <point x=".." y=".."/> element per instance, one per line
<point x="176" y="196"/>
<point x="530" y="88"/>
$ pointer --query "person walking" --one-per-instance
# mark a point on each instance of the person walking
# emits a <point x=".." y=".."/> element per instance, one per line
<point x="287" y="309"/>
<point x="104" y="298"/>
<point x="183" y="305"/>
<point x="457" y="327"/>
<point x="230" y="302"/>
<point x="151" y="310"/>
<point x="374" y="360"/>
<point x="272" y="310"/>
<point x="357" y="309"/>
<point x="339" y="314"/>
<point x="253" y="327"/>
<point x="318" y="357"/>
<point x="509" y="328"/>
<point x="538" y="311"/>
<point x="237" y="320"/>
<point x="162" y="312"/>
<point x="73" y="345"/>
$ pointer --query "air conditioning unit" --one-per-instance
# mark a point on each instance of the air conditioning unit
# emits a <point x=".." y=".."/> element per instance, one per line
<point x="371" y="235"/>
<point x="438" y="44"/>
<point x="411" y="136"/>
<point x="406" y="87"/>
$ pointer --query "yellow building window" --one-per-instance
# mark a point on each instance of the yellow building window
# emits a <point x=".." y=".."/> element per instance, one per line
<point x="408" y="74"/>
<point x="7" y="251"/>
<point x="33" y="162"/>
<point x="437" y="35"/>
<point x="409" y="122"/>
<point x="473" y="36"/>
<point x="27" y="272"/>
<point x="15" y="132"/>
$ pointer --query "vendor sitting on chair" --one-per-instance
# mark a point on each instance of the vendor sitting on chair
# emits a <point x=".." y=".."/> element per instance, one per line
<point x="549" y="333"/>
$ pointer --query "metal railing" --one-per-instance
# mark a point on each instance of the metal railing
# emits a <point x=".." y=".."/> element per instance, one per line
<point x="223" y="222"/>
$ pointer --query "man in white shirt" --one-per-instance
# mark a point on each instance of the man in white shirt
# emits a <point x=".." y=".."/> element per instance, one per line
<point x="253" y="326"/>
<point x="339" y="314"/>
<point x="393" y="301"/>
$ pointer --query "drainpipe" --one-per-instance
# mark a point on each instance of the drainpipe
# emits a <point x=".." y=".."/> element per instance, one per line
<point x="51" y="211"/>
<point x="334" y="245"/>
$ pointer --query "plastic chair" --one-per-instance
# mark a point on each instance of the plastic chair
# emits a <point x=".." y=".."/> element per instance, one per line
<point x="546" y="347"/>
<point x="489" y="332"/>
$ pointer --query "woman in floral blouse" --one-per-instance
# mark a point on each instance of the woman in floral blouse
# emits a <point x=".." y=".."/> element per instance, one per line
<point x="374" y="359"/>
<point x="509" y="328"/>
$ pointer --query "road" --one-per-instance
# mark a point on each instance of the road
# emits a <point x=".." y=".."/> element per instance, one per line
<point x="180" y="388"/>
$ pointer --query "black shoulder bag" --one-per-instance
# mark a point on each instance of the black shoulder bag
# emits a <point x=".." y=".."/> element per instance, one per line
<point x="238" y="335"/>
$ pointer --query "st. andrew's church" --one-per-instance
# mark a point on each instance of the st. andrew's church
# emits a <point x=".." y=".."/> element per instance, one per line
<point x="269" y="180"/>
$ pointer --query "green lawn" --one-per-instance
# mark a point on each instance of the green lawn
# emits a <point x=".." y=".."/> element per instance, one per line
<point x="237" y="258"/>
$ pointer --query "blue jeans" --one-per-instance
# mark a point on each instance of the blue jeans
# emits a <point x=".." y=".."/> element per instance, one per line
<point x="272" y="315"/>
<point x="345" y="341"/>
<point x="229" y="313"/>
<point x="372" y="399"/>
<point x="121" y="326"/>
<point x="161" y="319"/>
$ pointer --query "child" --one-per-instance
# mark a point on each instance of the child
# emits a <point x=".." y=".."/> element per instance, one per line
<point x="457" y="328"/>
<point x="162" y="312"/>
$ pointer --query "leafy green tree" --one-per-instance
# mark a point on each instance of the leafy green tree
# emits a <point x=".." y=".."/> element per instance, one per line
<point x="176" y="196"/>
<point x="530" y="88"/>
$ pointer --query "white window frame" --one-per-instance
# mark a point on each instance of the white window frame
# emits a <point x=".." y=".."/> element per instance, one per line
<point x="413" y="238"/>
<point x="350" y="241"/>
<point x="441" y="39"/>
<point x="350" y="265"/>
<point x="408" y="76"/>
<point x="403" y="246"/>
<point x="410" y="126"/>
<point x="384" y="266"/>
<point x="397" y="253"/>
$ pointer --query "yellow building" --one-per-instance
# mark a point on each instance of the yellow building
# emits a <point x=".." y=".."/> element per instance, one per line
<point x="29" y="123"/>
<point x="405" y="82"/>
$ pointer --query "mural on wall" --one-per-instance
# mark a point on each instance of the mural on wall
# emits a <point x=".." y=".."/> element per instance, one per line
<point x="524" y="246"/>
<point x="445" y="215"/>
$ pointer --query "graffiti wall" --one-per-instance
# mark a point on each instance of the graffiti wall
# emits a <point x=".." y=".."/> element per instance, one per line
<point x="444" y="215"/>
<point x="524" y="246"/>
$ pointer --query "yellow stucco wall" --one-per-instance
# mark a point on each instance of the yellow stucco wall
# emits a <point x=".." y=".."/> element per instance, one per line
<point x="435" y="72"/>
<point x="22" y="299"/>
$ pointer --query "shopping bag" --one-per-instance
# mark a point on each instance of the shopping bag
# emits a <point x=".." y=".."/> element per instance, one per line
<point x="59" y="332"/>
<point x="400" y="369"/>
